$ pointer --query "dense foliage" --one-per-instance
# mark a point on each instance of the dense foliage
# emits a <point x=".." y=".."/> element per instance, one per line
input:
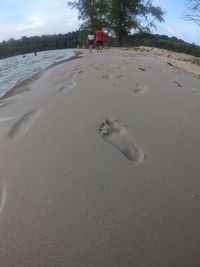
<point x="46" y="42"/>
<point x="79" y="39"/>
<point x="163" y="41"/>
<point x="118" y="17"/>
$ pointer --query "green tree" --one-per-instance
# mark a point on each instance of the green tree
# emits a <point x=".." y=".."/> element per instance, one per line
<point x="92" y="12"/>
<point x="118" y="17"/>
<point x="126" y="15"/>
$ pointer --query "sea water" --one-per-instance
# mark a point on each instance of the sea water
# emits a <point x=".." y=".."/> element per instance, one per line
<point x="17" y="69"/>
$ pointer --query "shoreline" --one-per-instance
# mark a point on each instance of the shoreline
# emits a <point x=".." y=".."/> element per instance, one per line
<point x="22" y="86"/>
<point x="181" y="60"/>
<point x="106" y="174"/>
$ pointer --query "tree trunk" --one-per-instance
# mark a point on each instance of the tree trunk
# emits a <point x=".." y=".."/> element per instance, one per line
<point x="120" y="29"/>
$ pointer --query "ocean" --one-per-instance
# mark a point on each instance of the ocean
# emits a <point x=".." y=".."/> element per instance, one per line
<point x="17" y="69"/>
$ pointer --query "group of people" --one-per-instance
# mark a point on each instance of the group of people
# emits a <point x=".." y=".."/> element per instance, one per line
<point x="98" y="37"/>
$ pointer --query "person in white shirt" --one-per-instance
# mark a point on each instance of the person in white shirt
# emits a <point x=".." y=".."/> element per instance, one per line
<point x="90" y="40"/>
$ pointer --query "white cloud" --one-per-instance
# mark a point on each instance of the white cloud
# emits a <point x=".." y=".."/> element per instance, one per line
<point x="34" y="22"/>
<point x="44" y="18"/>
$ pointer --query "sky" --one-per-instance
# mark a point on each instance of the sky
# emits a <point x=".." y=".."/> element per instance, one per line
<point x="40" y="17"/>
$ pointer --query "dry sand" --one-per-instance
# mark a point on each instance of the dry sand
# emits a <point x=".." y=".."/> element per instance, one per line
<point x="100" y="164"/>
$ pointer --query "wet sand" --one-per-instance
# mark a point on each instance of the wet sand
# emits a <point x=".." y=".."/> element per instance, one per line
<point x="100" y="164"/>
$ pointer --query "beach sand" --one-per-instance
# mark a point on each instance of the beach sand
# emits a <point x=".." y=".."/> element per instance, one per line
<point x="100" y="164"/>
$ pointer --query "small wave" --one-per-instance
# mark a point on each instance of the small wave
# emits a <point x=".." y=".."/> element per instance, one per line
<point x="17" y="69"/>
<point x="57" y="58"/>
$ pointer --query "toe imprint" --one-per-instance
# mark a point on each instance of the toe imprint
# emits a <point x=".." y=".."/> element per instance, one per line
<point x="117" y="134"/>
<point x="140" y="88"/>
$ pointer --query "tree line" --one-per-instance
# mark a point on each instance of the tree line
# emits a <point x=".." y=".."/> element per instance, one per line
<point x="76" y="39"/>
<point x="118" y="17"/>
<point x="163" y="42"/>
<point x="26" y="45"/>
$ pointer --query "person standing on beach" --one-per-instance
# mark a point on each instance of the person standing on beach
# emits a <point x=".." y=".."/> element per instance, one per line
<point x="99" y="39"/>
<point x="90" y="40"/>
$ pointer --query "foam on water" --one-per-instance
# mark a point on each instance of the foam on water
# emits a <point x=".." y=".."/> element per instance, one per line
<point x="16" y="69"/>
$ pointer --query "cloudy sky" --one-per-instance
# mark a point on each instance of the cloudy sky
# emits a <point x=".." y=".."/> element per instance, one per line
<point x="37" y="17"/>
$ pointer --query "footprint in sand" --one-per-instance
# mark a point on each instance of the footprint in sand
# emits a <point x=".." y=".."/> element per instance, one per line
<point x="5" y="103"/>
<point x="107" y="76"/>
<point x="77" y="68"/>
<point x="140" y="89"/>
<point x="2" y="196"/>
<point x="96" y="68"/>
<point x="196" y="90"/>
<point x="23" y="124"/>
<point x="117" y="134"/>
<point x="66" y="88"/>
<point x="72" y="75"/>
<point x="120" y="76"/>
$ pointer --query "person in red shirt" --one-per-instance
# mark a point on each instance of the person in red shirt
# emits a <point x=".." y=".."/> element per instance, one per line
<point x="99" y="39"/>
